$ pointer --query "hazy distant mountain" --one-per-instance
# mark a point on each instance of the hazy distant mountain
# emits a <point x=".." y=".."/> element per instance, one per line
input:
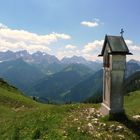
<point x="37" y="57"/>
<point x="132" y="83"/>
<point x="19" y="73"/>
<point x="134" y="61"/>
<point x="54" y="86"/>
<point x="43" y="75"/>
<point x="74" y="60"/>
<point x="40" y="57"/>
<point x="9" y="55"/>
<point x="92" y="86"/>
<point x="48" y="64"/>
<point x="132" y="66"/>
<point x="94" y="65"/>
<point x="83" y="70"/>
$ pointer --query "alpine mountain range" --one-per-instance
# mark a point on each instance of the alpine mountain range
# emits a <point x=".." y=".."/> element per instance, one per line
<point x="44" y="76"/>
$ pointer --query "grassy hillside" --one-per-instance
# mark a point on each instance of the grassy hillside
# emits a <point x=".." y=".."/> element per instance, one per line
<point x="21" y="118"/>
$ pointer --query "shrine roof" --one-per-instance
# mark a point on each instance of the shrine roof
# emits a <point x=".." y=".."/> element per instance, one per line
<point x="117" y="45"/>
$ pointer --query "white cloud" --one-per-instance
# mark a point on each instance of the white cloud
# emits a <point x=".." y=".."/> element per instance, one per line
<point x="62" y="53"/>
<point x="94" y="47"/>
<point x="5" y="45"/>
<point x="134" y="49"/>
<point x="89" y="23"/>
<point x="16" y="40"/>
<point x="70" y="47"/>
<point x="61" y="36"/>
<point x="92" y="57"/>
<point x="2" y="26"/>
<point x="129" y="42"/>
<point x="90" y="51"/>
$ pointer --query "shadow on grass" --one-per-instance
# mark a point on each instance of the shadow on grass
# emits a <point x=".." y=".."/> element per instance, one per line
<point x="133" y="125"/>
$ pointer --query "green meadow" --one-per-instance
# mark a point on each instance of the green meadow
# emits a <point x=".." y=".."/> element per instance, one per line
<point x="22" y="118"/>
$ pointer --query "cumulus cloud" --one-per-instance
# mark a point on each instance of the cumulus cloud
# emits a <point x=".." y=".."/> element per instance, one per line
<point x="2" y="26"/>
<point x="90" y="51"/>
<point x="62" y="53"/>
<point x="89" y="23"/>
<point x="70" y="46"/>
<point x="5" y="45"/>
<point x="61" y="36"/>
<point x="129" y="42"/>
<point x="16" y="40"/>
<point x="134" y="49"/>
<point x="94" y="47"/>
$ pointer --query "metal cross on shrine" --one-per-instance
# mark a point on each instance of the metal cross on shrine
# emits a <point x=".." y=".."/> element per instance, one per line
<point x="122" y="31"/>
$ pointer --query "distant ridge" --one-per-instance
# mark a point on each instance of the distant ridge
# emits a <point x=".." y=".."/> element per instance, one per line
<point x="48" y="64"/>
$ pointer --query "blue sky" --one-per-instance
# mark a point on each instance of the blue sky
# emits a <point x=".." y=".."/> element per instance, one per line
<point x="72" y="18"/>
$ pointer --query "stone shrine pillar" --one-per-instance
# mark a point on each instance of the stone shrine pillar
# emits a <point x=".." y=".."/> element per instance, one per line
<point x="114" y="53"/>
